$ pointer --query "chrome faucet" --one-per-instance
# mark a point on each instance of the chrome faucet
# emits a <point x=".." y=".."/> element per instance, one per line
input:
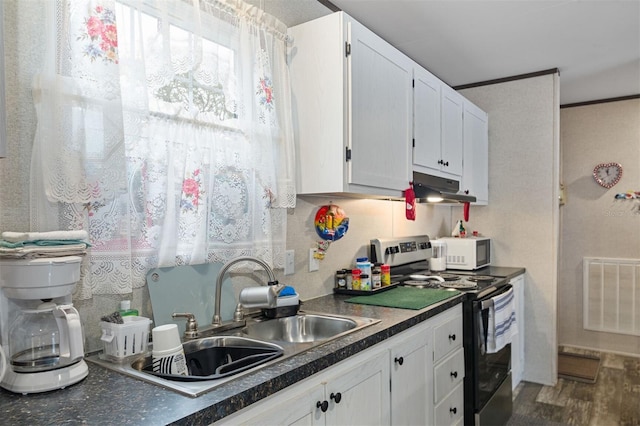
<point x="237" y="317"/>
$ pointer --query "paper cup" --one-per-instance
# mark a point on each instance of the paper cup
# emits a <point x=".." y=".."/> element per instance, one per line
<point x="167" y="354"/>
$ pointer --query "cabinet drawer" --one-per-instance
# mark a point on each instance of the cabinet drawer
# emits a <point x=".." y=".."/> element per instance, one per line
<point x="447" y="337"/>
<point x="451" y="410"/>
<point x="448" y="374"/>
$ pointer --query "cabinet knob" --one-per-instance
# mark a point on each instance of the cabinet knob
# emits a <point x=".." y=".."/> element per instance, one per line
<point x="440" y="161"/>
<point x="446" y="164"/>
<point x="453" y="410"/>
<point x="454" y="374"/>
<point x="399" y="360"/>
<point x="337" y="397"/>
<point x="452" y="337"/>
<point x="323" y="406"/>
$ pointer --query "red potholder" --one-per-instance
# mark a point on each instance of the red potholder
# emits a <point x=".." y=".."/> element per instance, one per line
<point x="410" y="202"/>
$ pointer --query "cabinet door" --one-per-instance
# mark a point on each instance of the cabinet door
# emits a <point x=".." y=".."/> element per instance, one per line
<point x="380" y="113"/>
<point x="448" y="374"/>
<point x="517" y="343"/>
<point x="447" y="334"/>
<point x="360" y="395"/>
<point x="411" y="378"/>
<point x="452" y="135"/>
<point x="426" y="124"/>
<point x="450" y="410"/>
<point x="475" y="175"/>
<point x="299" y="408"/>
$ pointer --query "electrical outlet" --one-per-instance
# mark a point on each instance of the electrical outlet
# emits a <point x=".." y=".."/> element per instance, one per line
<point x="314" y="264"/>
<point x="289" y="262"/>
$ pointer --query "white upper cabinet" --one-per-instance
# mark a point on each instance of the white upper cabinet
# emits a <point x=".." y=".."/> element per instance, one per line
<point x="475" y="175"/>
<point x="452" y="105"/>
<point x="352" y="98"/>
<point x="426" y="124"/>
<point x="437" y="126"/>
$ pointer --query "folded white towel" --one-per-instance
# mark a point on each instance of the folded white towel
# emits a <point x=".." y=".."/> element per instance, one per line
<point x="502" y="321"/>
<point x="32" y="252"/>
<point x="16" y="237"/>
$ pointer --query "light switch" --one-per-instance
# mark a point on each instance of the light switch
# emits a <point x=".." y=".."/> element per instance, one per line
<point x="289" y="262"/>
<point x="314" y="264"/>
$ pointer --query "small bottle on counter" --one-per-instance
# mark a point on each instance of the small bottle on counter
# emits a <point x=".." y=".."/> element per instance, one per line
<point x="365" y="282"/>
<point x="341" y="279"/>
<point x="125" y="309"/>
<point x="349" y="278"/>
<point x="376" y="276"/>
<point x="355" y="279"/>
<point x="385" y="271"/>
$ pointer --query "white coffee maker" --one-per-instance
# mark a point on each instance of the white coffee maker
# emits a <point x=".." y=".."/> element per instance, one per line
<point x="40" y="330"/>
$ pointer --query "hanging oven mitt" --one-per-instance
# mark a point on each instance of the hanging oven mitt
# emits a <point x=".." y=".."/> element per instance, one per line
<point x="410" y="202"/>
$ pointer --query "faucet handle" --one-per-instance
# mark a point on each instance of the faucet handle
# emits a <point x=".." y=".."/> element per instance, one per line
<point x="191" y="328"/>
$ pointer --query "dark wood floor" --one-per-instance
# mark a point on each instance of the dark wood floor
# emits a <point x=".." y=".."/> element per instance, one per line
<point x="613" y="400"/>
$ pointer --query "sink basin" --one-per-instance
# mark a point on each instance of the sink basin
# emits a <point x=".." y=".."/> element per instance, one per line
<point x="219" y="358"/>
<point x="216" y="357"/>
<point x="300" y="328"/>
<point x="213" y="361"/>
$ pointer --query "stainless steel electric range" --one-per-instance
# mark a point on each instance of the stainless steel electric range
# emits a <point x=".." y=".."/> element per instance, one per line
<point x="487" y="385"/>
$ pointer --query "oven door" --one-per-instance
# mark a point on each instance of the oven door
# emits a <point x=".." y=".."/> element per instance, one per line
<point x="490" y="370"/>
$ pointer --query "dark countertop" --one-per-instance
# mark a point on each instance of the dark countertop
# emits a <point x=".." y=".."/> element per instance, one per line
<point x="106" y="397"/>
<point x="493" y="271"/>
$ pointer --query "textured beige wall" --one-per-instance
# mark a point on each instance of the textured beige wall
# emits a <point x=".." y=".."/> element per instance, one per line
<point x="522" y="215"/>
<point x="593" y="222"/>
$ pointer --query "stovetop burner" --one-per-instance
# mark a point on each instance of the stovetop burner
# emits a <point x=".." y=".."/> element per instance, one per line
<point x="480" y="278"/>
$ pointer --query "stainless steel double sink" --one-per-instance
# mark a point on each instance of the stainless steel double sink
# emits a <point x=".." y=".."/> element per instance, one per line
<point x="218" y="358"/>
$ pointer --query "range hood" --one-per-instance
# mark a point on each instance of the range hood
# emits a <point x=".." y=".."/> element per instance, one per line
<point x="434" y="189"/>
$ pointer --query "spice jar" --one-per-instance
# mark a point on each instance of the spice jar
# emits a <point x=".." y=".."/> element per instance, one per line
<point x="385" y="271"/>
<point x="365" y="282"/>
<point x="341" y="279"/>
<point x="355" y="279"/>
<point x="376" y="276"/>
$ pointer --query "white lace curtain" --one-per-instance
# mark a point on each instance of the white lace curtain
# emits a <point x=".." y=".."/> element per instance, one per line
<point x="164" y="129"/>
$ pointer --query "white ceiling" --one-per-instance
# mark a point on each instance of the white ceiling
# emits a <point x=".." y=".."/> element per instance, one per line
<point x="594" y="43"/>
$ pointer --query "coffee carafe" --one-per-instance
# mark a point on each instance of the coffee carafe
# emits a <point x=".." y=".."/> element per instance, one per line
<point x="46" y="338"/>
<point x="438" y="261"/>
<point x="40" y="330"/>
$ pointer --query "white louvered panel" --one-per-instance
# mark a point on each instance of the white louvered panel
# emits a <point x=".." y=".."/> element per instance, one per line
<point x="611" y="295"/>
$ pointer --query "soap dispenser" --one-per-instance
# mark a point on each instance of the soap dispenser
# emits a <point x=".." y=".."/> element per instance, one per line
<point x="125" y="309"/>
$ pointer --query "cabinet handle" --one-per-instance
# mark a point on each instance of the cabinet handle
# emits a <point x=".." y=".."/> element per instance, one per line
<point x="452" y="337"/>
<point x="399" y="360"/>
<point x="323" y="406"/>
<point x="337" y="397"/>
<point x="454" y="374"/>
<point x="453" y="410"/>
<point x="446" y="164"/>
<point x="440" y="161"/>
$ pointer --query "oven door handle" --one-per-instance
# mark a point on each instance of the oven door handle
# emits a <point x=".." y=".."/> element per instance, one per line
<point x="487" y="302"/>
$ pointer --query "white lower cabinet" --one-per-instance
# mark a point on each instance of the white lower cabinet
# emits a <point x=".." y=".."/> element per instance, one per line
<point x="448" y="368"/>
<point x="413" y="378"/>
<point x="517" y="340"/>
<point x="356" y="391"/>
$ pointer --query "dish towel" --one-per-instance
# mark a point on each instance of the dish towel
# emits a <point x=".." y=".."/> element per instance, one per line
<point x="502" y="321"/>
<point x="16" y="237"/>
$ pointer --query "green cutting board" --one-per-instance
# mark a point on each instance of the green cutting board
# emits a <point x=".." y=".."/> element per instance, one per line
<point x="405" y="298"/>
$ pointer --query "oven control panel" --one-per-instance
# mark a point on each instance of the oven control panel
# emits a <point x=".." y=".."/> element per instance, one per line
<point x="398" y="251"/>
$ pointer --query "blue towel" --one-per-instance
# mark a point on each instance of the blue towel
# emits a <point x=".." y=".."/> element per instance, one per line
<point x="502" y="322"/>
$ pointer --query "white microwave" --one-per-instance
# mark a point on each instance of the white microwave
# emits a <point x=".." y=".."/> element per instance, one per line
<point x="468" y="253"/>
